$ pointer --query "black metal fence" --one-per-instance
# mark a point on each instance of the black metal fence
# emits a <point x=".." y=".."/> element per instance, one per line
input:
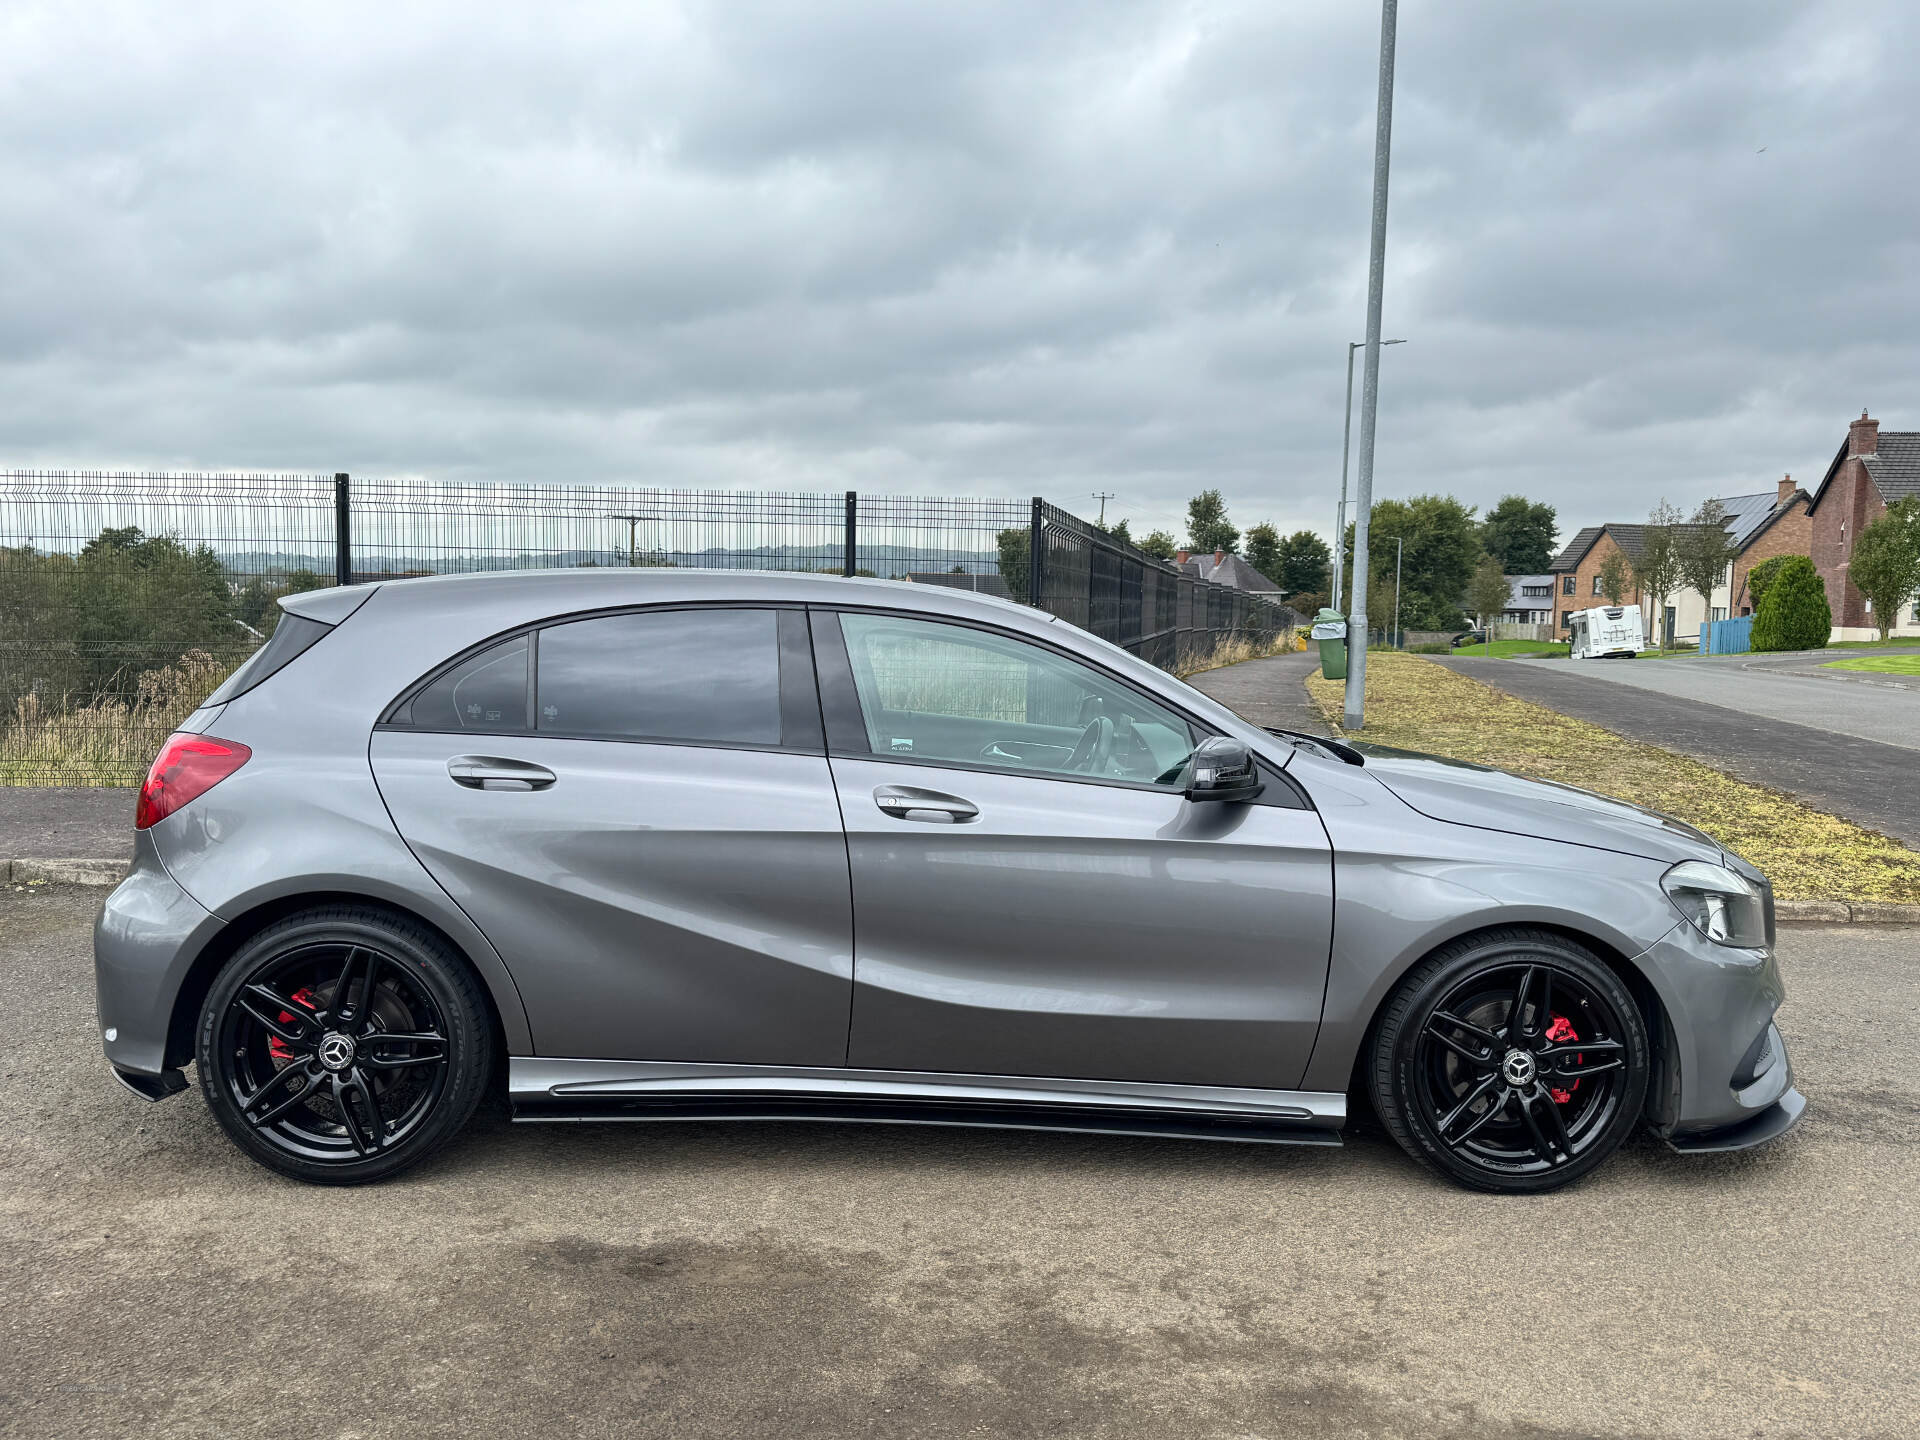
<point x="124" y="597"/>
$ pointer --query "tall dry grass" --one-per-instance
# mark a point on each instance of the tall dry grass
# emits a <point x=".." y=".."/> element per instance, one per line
<point x="110" y="741"/>
<point x="1233" y="650"/>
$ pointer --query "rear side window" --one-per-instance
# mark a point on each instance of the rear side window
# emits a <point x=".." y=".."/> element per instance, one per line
<point x="690" y="675"/>
<point x="291" y="638"/>
<point x="486" y="692"/>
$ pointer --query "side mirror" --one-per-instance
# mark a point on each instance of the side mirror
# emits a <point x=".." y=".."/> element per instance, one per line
<point x="1222" y="769"/>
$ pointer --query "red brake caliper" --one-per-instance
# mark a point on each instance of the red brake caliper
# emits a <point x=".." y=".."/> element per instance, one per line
<point x="276" y="1047"/>
<point x="1560" y="1032"/>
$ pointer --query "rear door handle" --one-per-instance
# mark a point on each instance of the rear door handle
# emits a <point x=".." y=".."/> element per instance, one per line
<point x="930" y="807"/>
<point x="491" y="772"/>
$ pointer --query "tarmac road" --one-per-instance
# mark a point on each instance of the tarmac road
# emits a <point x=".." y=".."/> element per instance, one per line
<point x="705" y="1280"/>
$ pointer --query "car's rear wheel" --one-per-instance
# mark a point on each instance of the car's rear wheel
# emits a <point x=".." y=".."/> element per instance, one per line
<point x="343" y="1044"/>
<point x="1512" y="1062"/>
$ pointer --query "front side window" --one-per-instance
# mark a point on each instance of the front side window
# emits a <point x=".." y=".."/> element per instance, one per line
<point x="933" y="691"/>
<point x="687" y="675"/>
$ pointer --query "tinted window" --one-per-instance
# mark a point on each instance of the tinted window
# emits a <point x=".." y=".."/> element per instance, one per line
<point x="488" y="692"/>
<point x="932" y="691"/>
<point x="700" y="675"/>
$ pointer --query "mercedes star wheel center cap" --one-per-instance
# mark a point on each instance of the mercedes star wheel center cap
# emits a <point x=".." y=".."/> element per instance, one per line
<point x="1518" y="1067"/>
<point x="336" y="1052"/>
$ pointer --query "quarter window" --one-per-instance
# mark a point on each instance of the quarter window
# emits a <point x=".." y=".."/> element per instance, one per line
<point x="689" y="675"/>
<point x="931" y="691"/>
<point x="487" y="692"/>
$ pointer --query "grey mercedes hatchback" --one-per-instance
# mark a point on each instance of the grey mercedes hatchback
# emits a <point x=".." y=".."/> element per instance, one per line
<point x="663" y="844"/>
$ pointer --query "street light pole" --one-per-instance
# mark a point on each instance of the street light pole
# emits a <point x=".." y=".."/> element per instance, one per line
<point x="1346" y="438"/>
<point x="1399" y="549"/>
<point x="1354" y="715"/>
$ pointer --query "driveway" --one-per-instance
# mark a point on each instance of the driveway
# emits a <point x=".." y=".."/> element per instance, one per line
<point x="695" y="1280"/>
<point x="1867" y="781"/>
<point x="1795" y="689"/>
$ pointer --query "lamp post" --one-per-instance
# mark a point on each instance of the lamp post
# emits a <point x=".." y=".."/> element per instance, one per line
<point x="1399" y="549"/>
<point x="633" y="522"/>
<point x="1346" y="439"/>
<point x="1354" y="712"/>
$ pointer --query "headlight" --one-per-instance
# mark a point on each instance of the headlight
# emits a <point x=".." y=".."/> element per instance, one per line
<point x="1723" y="906"/>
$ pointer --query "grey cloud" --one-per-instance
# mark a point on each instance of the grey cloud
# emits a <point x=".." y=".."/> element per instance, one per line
<point x="981" y="248"/>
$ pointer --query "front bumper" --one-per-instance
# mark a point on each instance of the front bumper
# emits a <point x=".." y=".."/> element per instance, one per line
<point x="1734" y="1083"/>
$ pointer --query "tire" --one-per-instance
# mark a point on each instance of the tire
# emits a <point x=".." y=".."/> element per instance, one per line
<point x="1513" y="1062"/>
<point x="344" y="1045"/>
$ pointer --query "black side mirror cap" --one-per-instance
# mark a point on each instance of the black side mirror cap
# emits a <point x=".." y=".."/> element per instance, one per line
<point x="1223" y="770"/>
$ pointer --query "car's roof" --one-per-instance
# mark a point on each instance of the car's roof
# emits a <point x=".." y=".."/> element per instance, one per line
<point x="587" y="588"/>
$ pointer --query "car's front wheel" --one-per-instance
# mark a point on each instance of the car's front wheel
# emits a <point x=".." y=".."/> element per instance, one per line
<point x="343" y="1044"/>
<point x="1514" y="1061"/>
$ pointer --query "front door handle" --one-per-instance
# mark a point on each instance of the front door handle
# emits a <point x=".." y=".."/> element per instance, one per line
<point x="930" y="807"/>
<point x="491" y="772"/>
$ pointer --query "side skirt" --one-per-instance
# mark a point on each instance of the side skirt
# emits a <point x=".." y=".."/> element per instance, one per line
<point x="543" y="1089"/>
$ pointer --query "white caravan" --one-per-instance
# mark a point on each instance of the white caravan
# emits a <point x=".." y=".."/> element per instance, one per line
<point x="1607" y="630"/>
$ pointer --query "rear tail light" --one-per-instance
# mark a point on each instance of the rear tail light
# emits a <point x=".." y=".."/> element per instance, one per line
<point x="185" y="769"/>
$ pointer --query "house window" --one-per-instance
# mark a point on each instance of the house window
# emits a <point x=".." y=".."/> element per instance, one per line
<point x="1566" y="586"/>
<point x="1596" y="584"/>
<point x="1719" y="612"/>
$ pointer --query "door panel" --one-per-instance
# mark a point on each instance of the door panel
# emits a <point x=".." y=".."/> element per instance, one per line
<point x="1084" y="930"/>
<point x="655" y="901"/>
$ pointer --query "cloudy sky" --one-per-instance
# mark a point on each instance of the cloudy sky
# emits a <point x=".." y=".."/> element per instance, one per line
<point x="1638" y="249"/>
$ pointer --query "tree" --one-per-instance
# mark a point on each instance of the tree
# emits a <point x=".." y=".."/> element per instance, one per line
<point x="1616" y="577"/>
<point x="1015" y="545"/>
<point x="1120" y="532"/>
<point x="1442" y="546"/>
<point x="1656" y="569"/>
<point x="1207" y="526"/>
<point x="1886" y="562"/>
<point x="1520" y="535"/>
<point x="1761" y="576"/>
<point x="1704" y="550"/>
<point x="1160" y="544"/>
<point x="1305" y="565"/>
<point x="1488" y="591"/>
<point x="1263" y="551"/>
<point x="1793" y="614"/>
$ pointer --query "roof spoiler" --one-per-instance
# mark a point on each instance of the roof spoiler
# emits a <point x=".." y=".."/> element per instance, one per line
<point x="329" y="606"/>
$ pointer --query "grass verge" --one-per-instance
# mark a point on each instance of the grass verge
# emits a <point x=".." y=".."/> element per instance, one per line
<point x="1808" y="854"/>
<point x="1232" y="651"/>
<point x="1879" y="664"/>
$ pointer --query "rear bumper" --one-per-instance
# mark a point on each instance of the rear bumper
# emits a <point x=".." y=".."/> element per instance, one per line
<point x="144" y="943"/>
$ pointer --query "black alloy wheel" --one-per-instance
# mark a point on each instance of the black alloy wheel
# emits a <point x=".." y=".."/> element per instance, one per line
<point x="1511" y="1062"/>
<point x="343" y="1045"/>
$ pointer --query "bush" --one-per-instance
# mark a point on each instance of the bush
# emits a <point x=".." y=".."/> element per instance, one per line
<point x="1761" y="576"/>
<point x="1793" y="613"/>
<point x="1429" y="649"/>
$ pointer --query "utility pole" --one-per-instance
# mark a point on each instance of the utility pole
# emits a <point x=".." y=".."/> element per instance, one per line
<point x="1399" y="550"/>
<point x="1102" y="496"/>
<point x="1346" y="437"/>
<point x="632" y="522"/>
<point x="1354" y="715"/>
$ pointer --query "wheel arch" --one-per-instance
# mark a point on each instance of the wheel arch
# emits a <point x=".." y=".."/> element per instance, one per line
<point x="1663" y="1089"/>
<point x="227" y="940"/>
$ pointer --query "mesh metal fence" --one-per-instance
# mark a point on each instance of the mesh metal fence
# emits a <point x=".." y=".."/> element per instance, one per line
<point x="126" y="597"/>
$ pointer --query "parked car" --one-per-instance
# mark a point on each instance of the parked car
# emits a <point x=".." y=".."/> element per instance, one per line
<point x="720" y="844"/>
<point x="1606" y="631"/>
<point x="1468" y="637"/>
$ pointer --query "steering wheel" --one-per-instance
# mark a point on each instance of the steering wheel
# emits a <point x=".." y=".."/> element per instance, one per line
<point x="1094" y="747"/>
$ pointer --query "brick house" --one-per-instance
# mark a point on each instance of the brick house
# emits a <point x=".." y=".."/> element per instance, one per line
<point x="1870" y="471"/>
<point x="1762" y="525"/>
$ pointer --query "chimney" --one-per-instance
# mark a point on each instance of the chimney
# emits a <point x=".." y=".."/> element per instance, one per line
<point x="1219" y="558"/>
<point x="1179" y="557"/>
<point x="1787" y="488"/>
<point x="1863" y="437"/>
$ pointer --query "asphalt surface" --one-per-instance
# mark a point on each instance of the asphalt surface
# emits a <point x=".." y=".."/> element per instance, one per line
<point x="1267" y="692"/>
<point x="1869" y="783"/>
<point x="704" y="1280"/>
<point x="1796" y="689"/>
<point x="65" y="823"/>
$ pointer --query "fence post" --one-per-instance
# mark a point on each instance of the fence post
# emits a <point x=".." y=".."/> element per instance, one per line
<point x="342" y="531"/>
<point x="1036" y="550"/>
<point x="847" y="565"/>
